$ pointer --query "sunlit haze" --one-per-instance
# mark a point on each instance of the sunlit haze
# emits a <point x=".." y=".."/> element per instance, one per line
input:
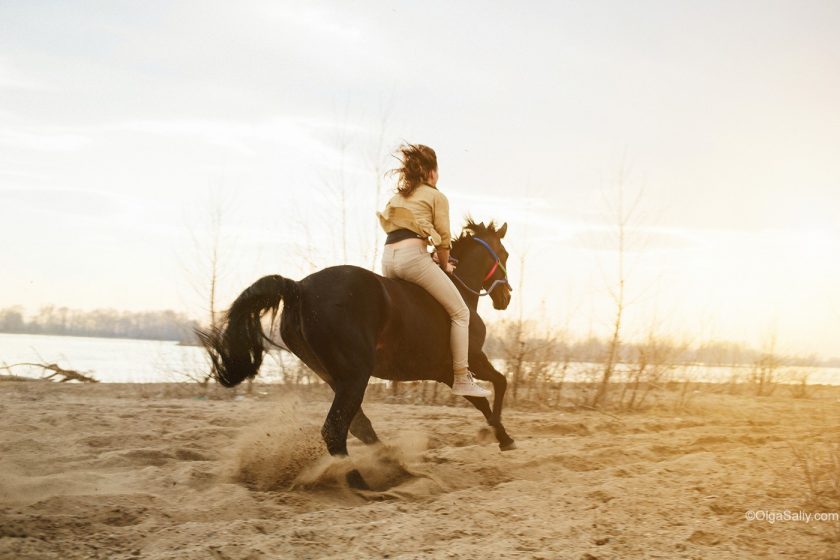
<point x="123" y="125"/>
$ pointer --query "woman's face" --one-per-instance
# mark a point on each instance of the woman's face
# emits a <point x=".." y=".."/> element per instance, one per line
<point x="432" y="179"/>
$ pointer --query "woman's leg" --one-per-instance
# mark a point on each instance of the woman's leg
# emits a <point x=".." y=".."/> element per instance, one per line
<point x="388" y="262"/>
<point x="424" y="272"/>
<point x="416" y="265"/>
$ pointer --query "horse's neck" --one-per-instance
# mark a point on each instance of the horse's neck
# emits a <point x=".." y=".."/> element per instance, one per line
<point x="471" y="279"/>
<point x="469" y="298"/>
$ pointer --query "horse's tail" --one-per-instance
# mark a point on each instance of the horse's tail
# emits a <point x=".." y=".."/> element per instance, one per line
<point x="236" y="345"/>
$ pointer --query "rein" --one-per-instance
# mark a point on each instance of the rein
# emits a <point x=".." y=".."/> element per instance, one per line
<point x="496" y="265"/>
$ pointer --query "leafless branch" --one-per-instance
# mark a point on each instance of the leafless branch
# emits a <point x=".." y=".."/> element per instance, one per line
<point x="65" y="374"/>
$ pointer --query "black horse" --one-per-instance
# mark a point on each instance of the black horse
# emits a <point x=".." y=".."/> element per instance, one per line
<point x="347" y="324"/>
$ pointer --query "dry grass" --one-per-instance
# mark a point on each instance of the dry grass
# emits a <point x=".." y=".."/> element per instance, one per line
<point x="819" y="466"/>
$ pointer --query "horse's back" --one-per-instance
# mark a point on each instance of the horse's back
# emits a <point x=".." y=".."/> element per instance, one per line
<point x="352" y="287"/>
<point x="351" y="310"/>
<point x="341" y="298"/>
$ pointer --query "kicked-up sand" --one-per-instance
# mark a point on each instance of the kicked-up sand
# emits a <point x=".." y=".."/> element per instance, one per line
<point x="152" y="471"/>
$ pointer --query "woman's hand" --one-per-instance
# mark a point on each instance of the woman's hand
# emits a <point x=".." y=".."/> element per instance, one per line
<point x="441" y="257"/>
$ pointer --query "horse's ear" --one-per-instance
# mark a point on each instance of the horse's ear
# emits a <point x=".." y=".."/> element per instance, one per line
<point x="502" y="230"/>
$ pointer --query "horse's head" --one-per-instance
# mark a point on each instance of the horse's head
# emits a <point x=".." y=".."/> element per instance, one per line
<point x="482" y="261"/>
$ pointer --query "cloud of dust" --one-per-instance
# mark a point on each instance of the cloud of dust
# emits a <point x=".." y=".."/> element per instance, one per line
<point x="383" y="466"/>
<point x="271" y="454"/>
<point x="281" y="453"/>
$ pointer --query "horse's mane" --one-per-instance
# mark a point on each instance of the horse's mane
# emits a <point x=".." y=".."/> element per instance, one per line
<point x="473" y="229"/>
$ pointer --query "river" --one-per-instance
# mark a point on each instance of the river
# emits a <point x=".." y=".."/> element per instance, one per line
<point x="118" y="360"/>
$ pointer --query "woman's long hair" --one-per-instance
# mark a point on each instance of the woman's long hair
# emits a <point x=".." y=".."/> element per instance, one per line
<point x="416" y="162"/>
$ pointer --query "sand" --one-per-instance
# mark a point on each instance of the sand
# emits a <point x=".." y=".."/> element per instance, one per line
<point x="139" y="471"/>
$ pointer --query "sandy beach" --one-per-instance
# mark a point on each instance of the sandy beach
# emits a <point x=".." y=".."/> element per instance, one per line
<point x="158" y="471"/>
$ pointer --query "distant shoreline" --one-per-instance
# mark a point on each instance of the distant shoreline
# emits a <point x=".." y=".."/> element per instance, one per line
<point x="830" y="363"/>
<point x="108" y="337"/>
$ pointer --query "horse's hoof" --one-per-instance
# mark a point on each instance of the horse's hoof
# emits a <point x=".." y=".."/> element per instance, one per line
<point x="355" y="480"/>
<point x="508" y="446"/>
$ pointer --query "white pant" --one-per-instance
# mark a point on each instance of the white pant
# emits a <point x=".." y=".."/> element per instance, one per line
<point x="415" y="264"/>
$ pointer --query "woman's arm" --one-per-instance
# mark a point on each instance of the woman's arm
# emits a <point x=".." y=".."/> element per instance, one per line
<point x="440" y="219"/>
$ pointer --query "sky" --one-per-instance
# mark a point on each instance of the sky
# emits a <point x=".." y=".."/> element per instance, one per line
<point x="125" y="127"/>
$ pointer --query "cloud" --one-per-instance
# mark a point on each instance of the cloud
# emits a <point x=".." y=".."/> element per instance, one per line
<point x="11" y="77"/>
<point x="246" y="138"/>
<point x="64" y="201"/>
<point x="604" y="238"/>
<point x="304" y="134"/>
<point x="326" y="23"/>
<point x="506" y="201"/>
<point x="43" y="139"/>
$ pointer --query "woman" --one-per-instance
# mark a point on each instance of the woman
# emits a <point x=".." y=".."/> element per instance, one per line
<point x="416" y="215"/>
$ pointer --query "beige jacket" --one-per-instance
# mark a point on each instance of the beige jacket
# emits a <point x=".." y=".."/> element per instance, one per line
<point x="425" y="211"/>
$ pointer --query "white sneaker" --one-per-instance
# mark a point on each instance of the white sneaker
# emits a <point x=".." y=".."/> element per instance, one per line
<point x="466" y="386"/>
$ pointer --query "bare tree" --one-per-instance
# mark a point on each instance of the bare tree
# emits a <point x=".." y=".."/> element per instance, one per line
<point x="210" y="252"/>
<point x="377" y="158"/>
<point x="209" y="264"/>
<point x="623" y="215"/>
<point x="529" y="352"/>
<point x="764" y="375"/>
<point x="215" y="238"/>
<point x="656" y="357"/>
<point x="303" y="249"/>
<point x="336" y="185"/>
<point x="516" y="349"/>
<point x="341" y="187"/>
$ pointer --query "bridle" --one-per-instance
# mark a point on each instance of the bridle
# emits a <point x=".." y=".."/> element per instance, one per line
<point x="496" y="265"/>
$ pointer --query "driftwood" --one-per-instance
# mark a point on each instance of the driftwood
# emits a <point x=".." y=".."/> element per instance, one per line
<point x="57" y="371"/>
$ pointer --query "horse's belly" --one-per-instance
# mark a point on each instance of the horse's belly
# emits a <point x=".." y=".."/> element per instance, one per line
<point x="411" y="365"/>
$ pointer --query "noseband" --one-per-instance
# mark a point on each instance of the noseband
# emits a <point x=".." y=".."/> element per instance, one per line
<point x="496" y="265"/>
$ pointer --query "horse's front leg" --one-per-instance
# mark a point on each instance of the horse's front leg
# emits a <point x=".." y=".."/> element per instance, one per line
<point x="506" y="443"/>
<point x="484" y="370"/>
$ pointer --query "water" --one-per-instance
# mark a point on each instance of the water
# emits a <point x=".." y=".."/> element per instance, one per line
<point x="148" y="361"/>
<point x="111" y="360"/>
<point x="589" y="372"/>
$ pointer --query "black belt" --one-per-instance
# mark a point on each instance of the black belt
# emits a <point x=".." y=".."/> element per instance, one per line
<point x="400" y="235"/>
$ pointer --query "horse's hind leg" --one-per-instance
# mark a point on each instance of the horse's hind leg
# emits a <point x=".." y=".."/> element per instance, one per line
<point x="346" y="404"/>
<point x="363" y="429"/>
